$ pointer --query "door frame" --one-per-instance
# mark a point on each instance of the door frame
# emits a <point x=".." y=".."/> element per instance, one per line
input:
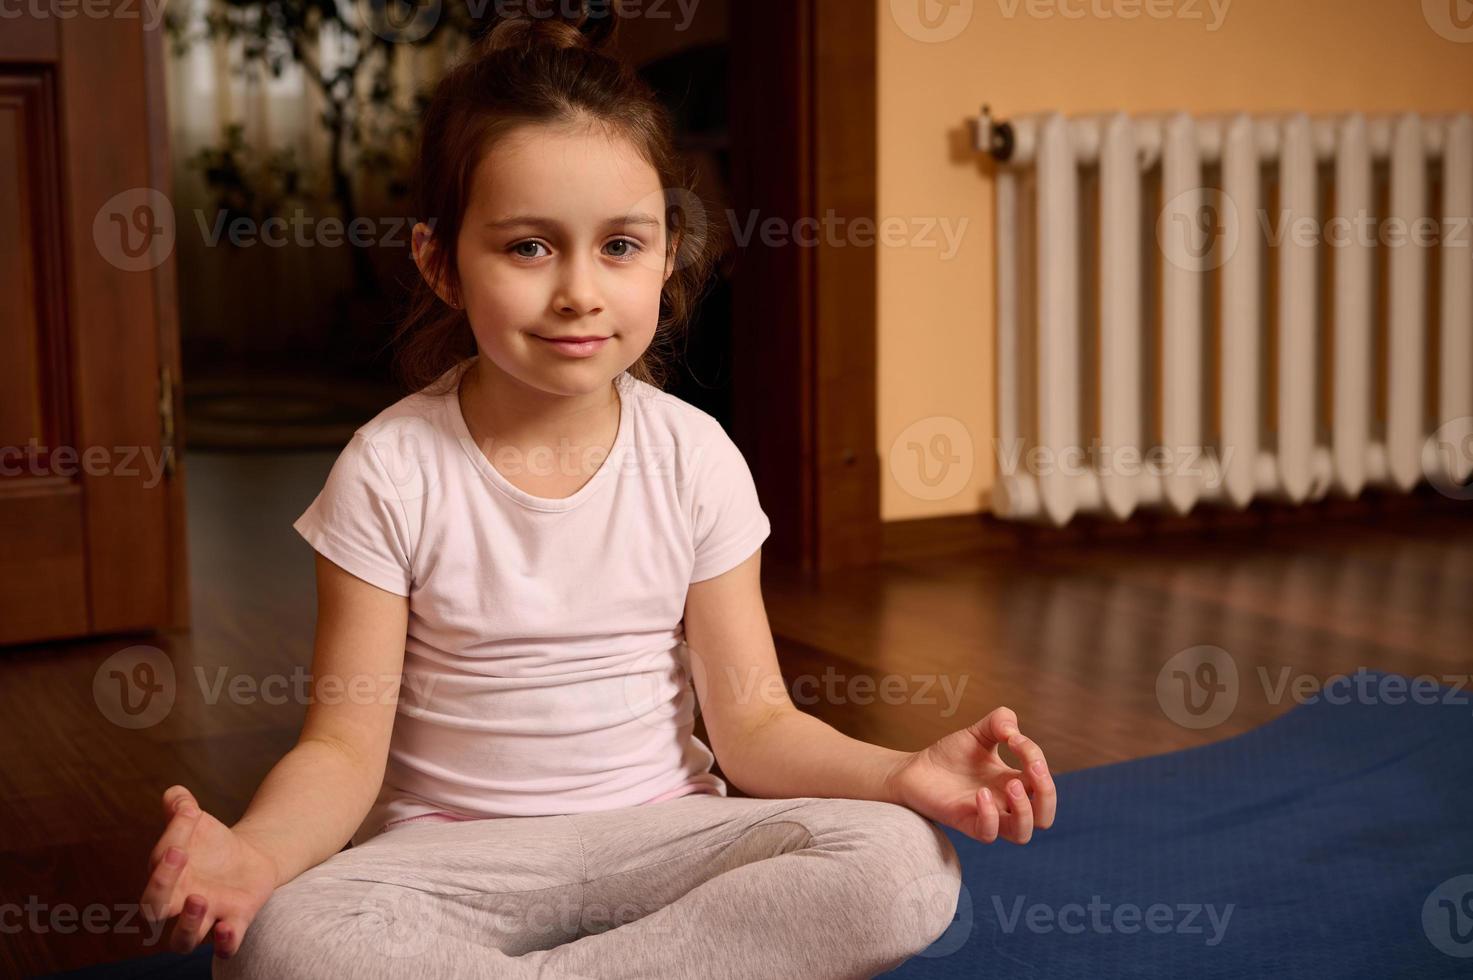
<point x="804" y="145"/>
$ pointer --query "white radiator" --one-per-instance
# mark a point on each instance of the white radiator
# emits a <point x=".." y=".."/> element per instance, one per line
<point x="1215" y="310"/>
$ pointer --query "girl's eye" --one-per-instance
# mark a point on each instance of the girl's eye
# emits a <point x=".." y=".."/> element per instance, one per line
<point x="634" y="248"/>
<point x="521" y="245"/>
<point x="631" y="248"/>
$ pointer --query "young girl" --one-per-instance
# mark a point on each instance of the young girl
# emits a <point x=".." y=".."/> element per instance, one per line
<point x="502" y="713"/>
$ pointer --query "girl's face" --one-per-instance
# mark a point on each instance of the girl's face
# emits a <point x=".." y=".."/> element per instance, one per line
<point x="564" y="236"/>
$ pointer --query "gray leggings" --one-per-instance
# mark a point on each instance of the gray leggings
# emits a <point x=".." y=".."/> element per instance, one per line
<point x="698" y="886"/>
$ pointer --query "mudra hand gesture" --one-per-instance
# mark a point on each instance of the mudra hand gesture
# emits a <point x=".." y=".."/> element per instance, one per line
<point x="964" y="782"/>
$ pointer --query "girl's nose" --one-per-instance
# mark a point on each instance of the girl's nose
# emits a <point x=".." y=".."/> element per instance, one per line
<point x="577" y="288"/>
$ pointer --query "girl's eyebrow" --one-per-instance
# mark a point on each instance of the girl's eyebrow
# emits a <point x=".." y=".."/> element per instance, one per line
<point x="536" y="221"/>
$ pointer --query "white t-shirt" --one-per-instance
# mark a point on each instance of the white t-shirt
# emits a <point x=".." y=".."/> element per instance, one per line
<point x="545" y="667"/>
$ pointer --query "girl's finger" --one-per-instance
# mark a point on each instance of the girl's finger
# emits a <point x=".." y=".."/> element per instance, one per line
<point x="227" y="936"/>
<point x="1026" y="750"/>
<point x="158" y="895"/>
<point x="178" y="831"/>
<point x="1045" y="796"/>
<point x="174" y="797"/>
<point x="996" y="728"/>
<point x="987" y="821"/>
<point x="190" y="929"/>
<point x="1017" y="823"/>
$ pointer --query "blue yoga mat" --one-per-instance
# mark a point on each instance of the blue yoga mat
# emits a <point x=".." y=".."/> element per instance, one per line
<point x="1330" y="842"/>
<point x="1334" y="841"/>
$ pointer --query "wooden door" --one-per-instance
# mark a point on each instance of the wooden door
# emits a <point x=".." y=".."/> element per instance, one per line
<point x="804" y="337"/>
<point x="91" y="489"/>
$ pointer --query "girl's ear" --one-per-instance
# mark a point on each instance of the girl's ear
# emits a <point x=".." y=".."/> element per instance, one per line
<point x="423" y="246"/>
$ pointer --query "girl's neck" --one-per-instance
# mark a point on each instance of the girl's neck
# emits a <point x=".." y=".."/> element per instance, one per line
<point x="501" y="410"/>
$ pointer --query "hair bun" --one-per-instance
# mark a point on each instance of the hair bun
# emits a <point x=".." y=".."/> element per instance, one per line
<point x="586" y="24"/>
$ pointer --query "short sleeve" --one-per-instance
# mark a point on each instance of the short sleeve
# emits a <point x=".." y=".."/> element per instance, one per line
<point x="358" y="520"/>
<point x="727" y="520"/>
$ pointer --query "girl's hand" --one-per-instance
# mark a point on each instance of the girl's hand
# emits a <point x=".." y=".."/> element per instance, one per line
<point x="207" y="874"/>
<point x="964" y="782"/>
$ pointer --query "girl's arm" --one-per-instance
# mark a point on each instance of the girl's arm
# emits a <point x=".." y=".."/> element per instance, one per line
<point x="216" y="877"/>
<point x="312" y="801"/>
<point x="768" y="748"/>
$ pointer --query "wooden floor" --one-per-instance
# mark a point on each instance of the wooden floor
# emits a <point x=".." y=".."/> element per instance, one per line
<point x="1072" y="637"/>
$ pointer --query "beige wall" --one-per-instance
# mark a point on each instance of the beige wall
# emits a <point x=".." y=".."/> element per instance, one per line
<point x="935" y="310"/>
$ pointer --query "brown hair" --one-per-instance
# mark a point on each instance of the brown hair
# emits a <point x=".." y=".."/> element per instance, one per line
<point x="541" y="68"/>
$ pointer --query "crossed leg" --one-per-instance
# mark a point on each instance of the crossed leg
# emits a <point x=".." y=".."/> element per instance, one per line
<point x="699" y="886"/>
